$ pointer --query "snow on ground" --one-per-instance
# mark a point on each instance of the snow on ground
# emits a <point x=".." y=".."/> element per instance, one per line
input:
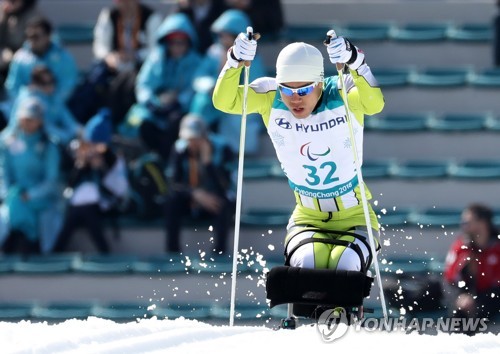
<point x="182" y="336"/>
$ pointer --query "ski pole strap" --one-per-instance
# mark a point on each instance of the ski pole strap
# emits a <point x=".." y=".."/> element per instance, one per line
<point x="352" y="245"/>
<point x="344" y="243"/>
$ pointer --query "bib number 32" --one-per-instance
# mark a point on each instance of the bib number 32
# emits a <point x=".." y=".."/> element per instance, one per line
<point x="313" y="178"/>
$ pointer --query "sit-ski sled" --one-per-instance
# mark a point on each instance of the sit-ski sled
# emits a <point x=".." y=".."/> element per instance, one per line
<point x="311" y="292"/>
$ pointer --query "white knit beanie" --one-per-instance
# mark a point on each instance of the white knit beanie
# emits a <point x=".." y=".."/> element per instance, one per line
<point x="299" y="62"/>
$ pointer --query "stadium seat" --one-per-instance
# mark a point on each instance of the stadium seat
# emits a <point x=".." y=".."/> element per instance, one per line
<point x="14" y="312"/>
<point x="486" y="78"/>
<point x="62" y="311"/>
<point x="307" y="32"/>
<point x="471" y="32"/>
<point x="420" y="169"/>
<point x="404" y="265"/>
<point x="242" y="312"/>
<point x="122" y="311"/>
<point x="7" y="262"/>
<point x="392" y="77"/>
<point x="437" y="217"/>
<point x="213" y="265"/>
<point x="413" y="32"/>
<point x="476" y="169"/>
<point x="365" y="31"/>
<point x="394" y="218"/>
<point x="161" y="264"/>
<point x="55" y="263"/>
<point x="376" y="168"/>
<point x="259" y="168"/>
<point x="266" y="217"/>
<point x="196" y="311"/>
<point x="441" y="77"/>
<point x="412" y="122"/>
<point x="75" y="33"/>
<point x="113" y="263"/>
<point x="458" y="122"/>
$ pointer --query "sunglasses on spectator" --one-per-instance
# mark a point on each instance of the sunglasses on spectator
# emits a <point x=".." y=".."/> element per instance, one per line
<point x="301" y="91"/>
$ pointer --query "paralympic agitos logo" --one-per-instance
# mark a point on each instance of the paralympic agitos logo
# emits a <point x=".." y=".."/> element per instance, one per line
<point x="305" y="151"/>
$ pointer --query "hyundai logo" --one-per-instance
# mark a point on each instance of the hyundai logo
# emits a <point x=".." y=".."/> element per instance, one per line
<point x="283" y="123"/>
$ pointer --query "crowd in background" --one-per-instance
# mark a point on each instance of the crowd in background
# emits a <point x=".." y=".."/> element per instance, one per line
<point x="65" y="130"/>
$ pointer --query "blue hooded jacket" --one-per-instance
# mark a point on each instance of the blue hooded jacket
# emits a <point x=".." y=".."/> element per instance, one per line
<point x="57" y="59"/>
<point x="160" y="73"/>
<point x="30" y="164"/>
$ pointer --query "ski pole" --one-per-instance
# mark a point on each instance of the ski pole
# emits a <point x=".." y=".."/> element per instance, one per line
<point x="239" y="185"/>
<point x="340" y="68"/>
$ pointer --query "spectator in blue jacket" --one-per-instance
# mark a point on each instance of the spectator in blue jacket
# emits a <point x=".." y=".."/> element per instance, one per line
<point x="164" y="86"/>
<point x="225" y="29"/>
<point x="32" y="214"/>
<point x="59" y="123"/>
<point x="39" y="48"/>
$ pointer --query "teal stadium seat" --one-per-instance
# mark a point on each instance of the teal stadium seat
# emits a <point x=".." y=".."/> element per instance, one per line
<point x="307" y="32"/>
<point x="493" y="124"/>
<point x="471" y="32"/>
<point x="487" y="78"/>
<point x="261" y="168"/>
<point x="55" y="263"/>
<point x="264" y="217"/>
<point x="405" y="265"/>
<point x="113" y="263"/>
<point x="196" y="311"/>
<point x="476" y="169"/>
<point x="392" y="77"/>
<point x="122" y="311"/>
<point x="441" y="77"/>
<point x="244" y="312"/>
<point x="376" y="168"/>
<point x="459" y="122"/>
<point x="437" y="217"/>
<point x="419" y="32"/>
<point x="411" y="122"/>
<point x="213" y="265"/>
<point x="394" y="218"/>
<point x="376" y="31"/>
<point x="420" y="169"/>
<point x="7" y="262"/>
<point x="75" y="33"/>
<point x="61" y="311"/>
<point x="161" y="264"/>
<point x="14" y="312"/>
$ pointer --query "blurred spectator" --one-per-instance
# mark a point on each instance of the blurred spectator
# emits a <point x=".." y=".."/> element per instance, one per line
<point x="202" y="14"/>
<point x="97" y="184"/>
<point x="59" y="123"/>
<point x="199" y="183"/>
<point x="164" y="87"/>
<point x="123" y="37"/>
<point x="40" y="49"/>
<point x="226" y="28"/>
<point x="13" y="17"/>
<point x="265" y="15"/>
<point x="472" y="270"/>
<point x="32" y="213"/>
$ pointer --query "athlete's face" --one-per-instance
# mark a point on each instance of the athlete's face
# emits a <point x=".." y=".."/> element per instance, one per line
<point x="300" y="97"/>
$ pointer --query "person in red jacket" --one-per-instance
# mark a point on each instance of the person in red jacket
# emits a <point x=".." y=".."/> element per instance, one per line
<point x="472" y="269"/>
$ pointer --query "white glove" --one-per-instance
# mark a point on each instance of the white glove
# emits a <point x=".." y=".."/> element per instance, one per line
<point x="341" y="50"/>
<point x="244" y="49"/>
